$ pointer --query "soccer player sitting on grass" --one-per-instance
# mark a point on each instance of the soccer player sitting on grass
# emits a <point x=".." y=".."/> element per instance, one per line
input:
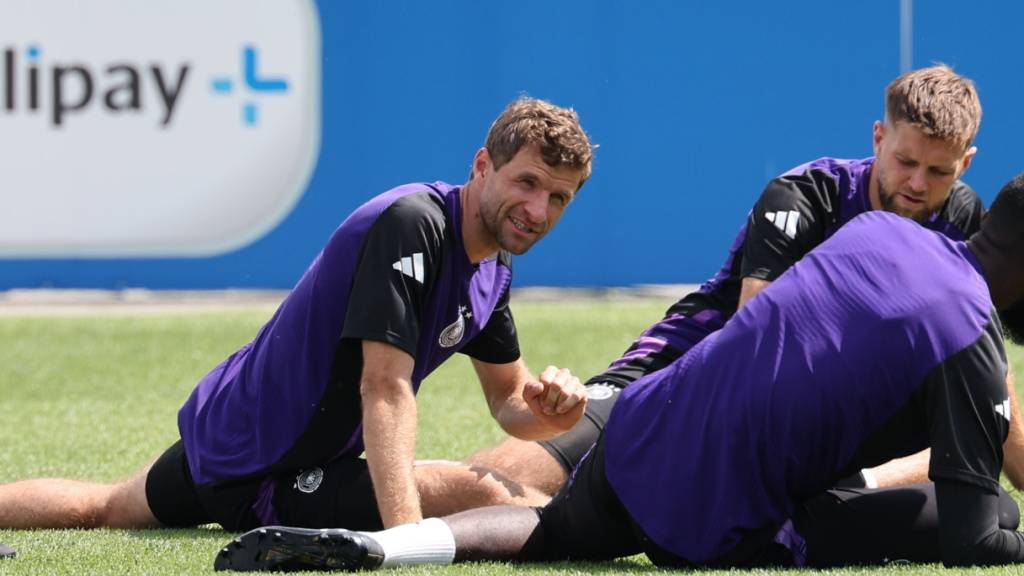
<point x="275" y="432"/>
<point x="885" y="339"/>
<point x="921" y="149"/>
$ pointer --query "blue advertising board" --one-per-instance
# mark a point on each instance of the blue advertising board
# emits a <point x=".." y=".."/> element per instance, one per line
<point x="280" y="126"/>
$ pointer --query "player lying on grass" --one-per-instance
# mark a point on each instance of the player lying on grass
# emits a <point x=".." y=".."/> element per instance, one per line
<point x="921" y="149"/>
<point x="884" y="340"/>
<point x="275" y="432"/>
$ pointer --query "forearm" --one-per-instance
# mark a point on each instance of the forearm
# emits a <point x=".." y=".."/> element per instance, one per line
<point x="389" y="434"/>
<point x="507" y="406"/>
<point x="532" y="408"/>
<point x="1013" y="448"/>
<point x="911" y="469"/>
<point x="517" y="420"/>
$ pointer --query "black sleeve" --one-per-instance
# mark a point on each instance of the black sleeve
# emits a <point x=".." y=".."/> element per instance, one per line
<point x="969" y="529"/>
<point x="963" y="209"/>
<point x="401" y="254"/>
<point x="498" y="342"/>
<point x="968" y="412"/>
<point x="788" y="220"/>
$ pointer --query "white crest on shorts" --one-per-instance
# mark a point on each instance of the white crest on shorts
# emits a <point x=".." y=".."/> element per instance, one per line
<point x="601" y="391"/>
<point x="452" y="335"/>
<point x="309" y="480"/>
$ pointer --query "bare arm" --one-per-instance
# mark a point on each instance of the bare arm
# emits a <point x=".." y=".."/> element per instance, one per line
<point x="389" y="431"/>
<point x="529" y="408"/>
<point x="911" y="469"/>
<point x="1013" y="448"/>
<point x="749" y="289"/>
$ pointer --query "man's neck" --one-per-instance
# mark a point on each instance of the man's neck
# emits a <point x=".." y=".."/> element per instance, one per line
<point x="476" y="240"/>
<point x="873" y="198"/>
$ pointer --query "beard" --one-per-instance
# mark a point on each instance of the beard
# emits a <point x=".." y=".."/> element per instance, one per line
<point x="887" y="199"/>
<point x="1013" y="322"/>
<point x="493" y="219"/>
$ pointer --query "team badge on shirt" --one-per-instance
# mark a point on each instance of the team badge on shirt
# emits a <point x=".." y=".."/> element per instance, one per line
<point x="309" y="480"/>
<point x="453" y="334"/>
<point x="601" y="391"/>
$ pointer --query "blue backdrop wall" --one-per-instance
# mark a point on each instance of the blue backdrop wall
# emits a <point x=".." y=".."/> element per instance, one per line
<point x="694" y="105"/>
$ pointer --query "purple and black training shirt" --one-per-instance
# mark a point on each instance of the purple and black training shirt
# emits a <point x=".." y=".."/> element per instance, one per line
<point x="395" y="271"/>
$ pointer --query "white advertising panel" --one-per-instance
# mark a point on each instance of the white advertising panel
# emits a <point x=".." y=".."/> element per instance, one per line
<point x="153" y="129"/>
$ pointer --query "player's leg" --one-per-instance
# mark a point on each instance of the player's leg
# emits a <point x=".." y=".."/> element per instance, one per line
<point x="339" y="493"/>
<point x="524" y="463"/>
<point x="7" y="552"/>
<point x="862" y="526"/>
<point x="544" y="466"/>
<point x="585" y="520"/>
<point x="449" y="487"/>
<point x="63" y="503"/>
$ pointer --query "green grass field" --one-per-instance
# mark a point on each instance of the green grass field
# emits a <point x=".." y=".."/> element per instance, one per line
<point x="94" y="396"/>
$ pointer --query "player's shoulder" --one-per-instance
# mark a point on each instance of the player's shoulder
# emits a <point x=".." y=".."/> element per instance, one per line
<point x="410" y="211"/>
<point x="962" y="197"/>
<point x="820" y="181"/>
<point x="829" y="169"/>
<point x="416" y="205"/>
<point x="961" y="214"/>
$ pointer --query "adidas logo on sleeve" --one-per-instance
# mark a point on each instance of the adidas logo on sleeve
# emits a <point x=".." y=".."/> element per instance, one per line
<point x="1003" y="409"/>
<point x="784" y="221"/>
<point x="411" y="266"/>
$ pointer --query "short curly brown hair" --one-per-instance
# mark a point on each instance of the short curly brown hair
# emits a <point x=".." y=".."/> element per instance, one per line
<point x="555" y="130"/>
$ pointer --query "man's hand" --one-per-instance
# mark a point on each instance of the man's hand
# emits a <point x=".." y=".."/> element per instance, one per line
<point x="556" y="398"/>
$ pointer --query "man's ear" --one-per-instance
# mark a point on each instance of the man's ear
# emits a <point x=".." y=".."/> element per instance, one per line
<point x="481" y="163"/>
<point x="965" y="162"/>
<point x="877" y="135"/>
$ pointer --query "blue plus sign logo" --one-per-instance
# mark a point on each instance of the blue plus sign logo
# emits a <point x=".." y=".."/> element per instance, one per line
<point x="254" y="85"/>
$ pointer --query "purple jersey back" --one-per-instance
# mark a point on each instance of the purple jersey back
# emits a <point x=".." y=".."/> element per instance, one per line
<point x="250" y="410"/>
<point x="720" y="444"/>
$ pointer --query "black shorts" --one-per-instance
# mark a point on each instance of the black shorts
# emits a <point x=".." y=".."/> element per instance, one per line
<point x="339" y="493"/>
<point x="569" y="447"/>
<point x="863" y="526"/>
<point x="587" y="521"/>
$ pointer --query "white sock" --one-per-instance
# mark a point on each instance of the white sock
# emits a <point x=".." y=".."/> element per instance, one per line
<point x="427" y="542"/>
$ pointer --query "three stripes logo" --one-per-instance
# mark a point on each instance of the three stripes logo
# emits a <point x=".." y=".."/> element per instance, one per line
<point x="785" y="221"/>
<point x="411" y="266"/>
<point x="1003" y="409"/>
